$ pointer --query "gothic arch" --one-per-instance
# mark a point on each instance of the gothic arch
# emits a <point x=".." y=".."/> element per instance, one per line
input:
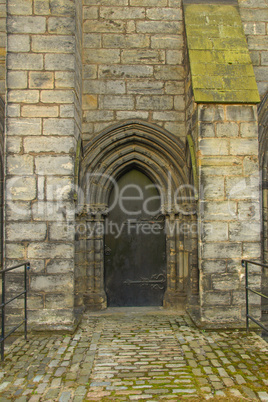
<point x="155" y="151"/>
<point x="159" y="155"/>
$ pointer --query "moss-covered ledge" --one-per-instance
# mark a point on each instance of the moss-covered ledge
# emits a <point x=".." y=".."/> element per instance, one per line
<point x="220" y="64"/>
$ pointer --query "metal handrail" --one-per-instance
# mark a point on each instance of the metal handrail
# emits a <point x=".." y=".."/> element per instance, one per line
<point x="248" y="289"/>
<point x="26" y="266"/>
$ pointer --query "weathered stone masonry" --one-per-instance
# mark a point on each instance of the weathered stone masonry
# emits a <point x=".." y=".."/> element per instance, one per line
<point x="79" y="72"/>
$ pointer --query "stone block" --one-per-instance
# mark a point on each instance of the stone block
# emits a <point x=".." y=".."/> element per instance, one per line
<point x="176" y="128"/>
<point x="57" y="96"/>
<point x="59" y="61"/>
<point x="113" y="87"/>
<point x="43" y="144"/>
<point x="21" y="188"/>
<point x="64" y="79"/>
<point x="39" y="111"/>
<point x="214" y="146"/>
<point x="90" y="13"/>
<point x="35" y="302"/>
<point x="13" y="110"/>
<point x="49" y="165"/>
<point x="208" y="113"/>
<point x="60" y="231"/>
<point x="123" y="115"/>
<point x="219" y="210"/>
<point x="227" y="130"/>
<point x="53" y="44"/>
<point x="125" y="41"/>
<point x="251" y="250"/>
<point x="169" y="73"/>
<point x="164" y="102"/>
<point x="50" y="250"/>
<point x="58" y="127"/>
<point x="61" y="25"/>
<point x="165" y="14"/>
<point x="122" y="13"/>
<point x="15" y="250"/>
<point x="21" y="61"/>
<point x="18" y="210"/>
<point x="67" y="111"/>
<point x="59" y="188"/>
<point x="102" y="56"/>
<point x="98" y="115"/>
<point x="18" y="43"/>
<point x="212" y="187"/>
<point x="241" y="113"/>
<point x="51" y="283"/>
<point x="244" y="146"/>
<point x="174" y="57"/>
<point x="119" y="71"/>
<point x="168" y="116"/>
<point x="214" y="231"/>
<point x="24" y="126"/>
<point x="137" y="56"/>
<point x="244" y="231"/>
<point x="56" y="300"/>
<point x="17" y="79"/>
<point x="23" y="96"/>
<point x="117" y="102"/>
<point x="242" y="188"/>
<point x="60" y="266"/>
<point x="145" y="87"/>
<point x="29" y="231"/>
<point x="16" y="7"/>
<point x="13" y="144"/>
<point x="249" y="130"/>
<point x="41" y="80"/>
<point x="41" y="7"/>
<point x="159" y="27"/>
<point x="20" y="165"/>
<point x="26" y="24"/>
<point x="90" y="102"/>
<point x="174" y="87"/>
<point x="221" y="315"/>
<point x="213" y="266"/>
<point x="221" y="250"/>
<point x="48" y="211"/>
<point x="166" y="42"/>
<point x="217" y="298"/>
<point x="92" y="40"/>
<point x="248" y="210"/>
<point x="62" y="7"/>
<point x="104" y="26"/>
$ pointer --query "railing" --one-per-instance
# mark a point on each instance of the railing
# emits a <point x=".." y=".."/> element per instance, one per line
<point x="248" y="289"/>
<point x="4" y="303"/>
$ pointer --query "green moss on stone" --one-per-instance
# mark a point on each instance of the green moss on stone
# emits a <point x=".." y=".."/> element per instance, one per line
<point x="220" y="63"/>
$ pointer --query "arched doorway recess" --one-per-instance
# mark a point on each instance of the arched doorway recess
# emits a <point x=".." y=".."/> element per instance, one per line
<point x="160" y="156"/>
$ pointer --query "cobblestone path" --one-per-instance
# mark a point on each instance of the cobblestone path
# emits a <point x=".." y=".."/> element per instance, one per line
<point x="136" y="355"/>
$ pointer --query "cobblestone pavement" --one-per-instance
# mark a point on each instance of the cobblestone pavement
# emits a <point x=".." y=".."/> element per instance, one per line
<point x="136" y="355"/>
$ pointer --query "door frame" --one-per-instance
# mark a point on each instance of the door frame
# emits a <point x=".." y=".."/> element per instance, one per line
<point x="161" y="157"/>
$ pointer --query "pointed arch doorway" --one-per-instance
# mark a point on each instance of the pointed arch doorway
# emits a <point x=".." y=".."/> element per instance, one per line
<point x="159" y="158"/>
<point x="135" y="243"/>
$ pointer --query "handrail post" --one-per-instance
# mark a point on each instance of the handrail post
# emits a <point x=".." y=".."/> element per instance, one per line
<point x="3" y="316"/>
<point x="246" y="278"/>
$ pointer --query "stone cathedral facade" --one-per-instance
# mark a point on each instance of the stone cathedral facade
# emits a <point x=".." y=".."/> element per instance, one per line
<point x="105" y="97"/>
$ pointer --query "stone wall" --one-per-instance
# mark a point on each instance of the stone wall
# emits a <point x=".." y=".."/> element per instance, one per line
<point x="229" y="213"/>
<point x="133" y="64"/>
<point x="43" y="87"/>
<point x="254" y="14"/>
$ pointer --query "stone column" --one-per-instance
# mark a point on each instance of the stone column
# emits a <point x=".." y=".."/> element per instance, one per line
<point x="229" y="214"/>
<point x="42" y="132"/>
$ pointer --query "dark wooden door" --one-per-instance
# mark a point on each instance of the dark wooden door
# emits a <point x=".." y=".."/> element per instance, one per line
<point x="135" y="260"/>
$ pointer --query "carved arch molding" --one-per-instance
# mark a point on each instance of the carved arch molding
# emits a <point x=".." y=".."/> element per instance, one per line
<point x="159" y="155"/>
